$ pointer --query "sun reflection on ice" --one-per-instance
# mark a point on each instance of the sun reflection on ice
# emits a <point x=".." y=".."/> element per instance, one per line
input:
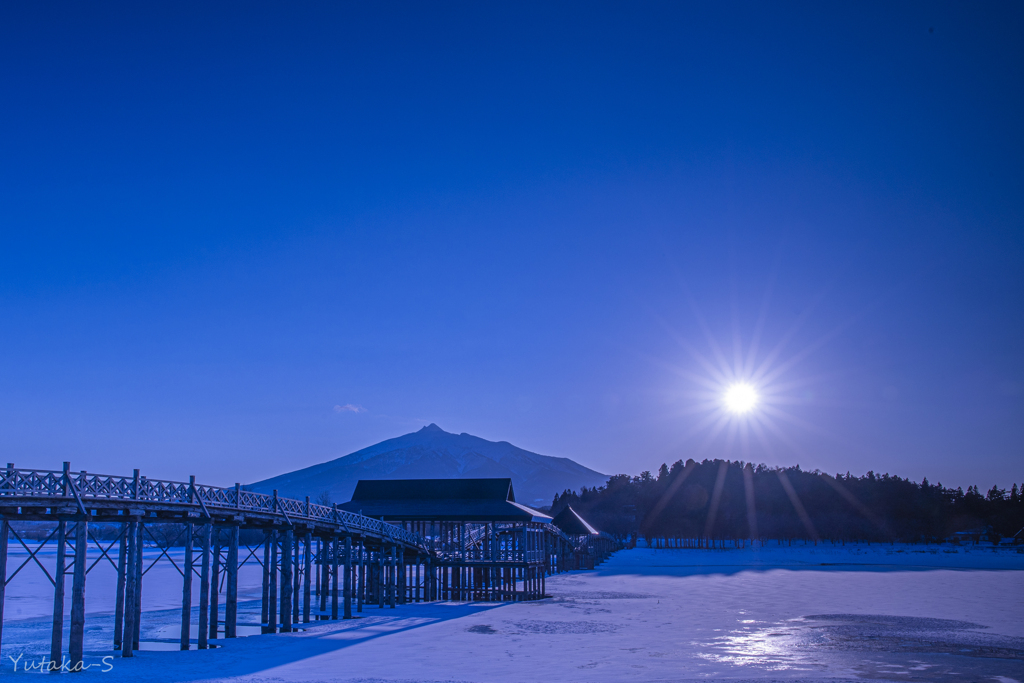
<point x="773" y="647"/>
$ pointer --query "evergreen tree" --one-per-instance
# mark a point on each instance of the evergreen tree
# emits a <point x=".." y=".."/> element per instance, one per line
<point x="789" y="503"/>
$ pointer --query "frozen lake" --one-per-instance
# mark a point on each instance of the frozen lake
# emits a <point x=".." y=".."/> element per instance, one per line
<point x="804" y="613"/>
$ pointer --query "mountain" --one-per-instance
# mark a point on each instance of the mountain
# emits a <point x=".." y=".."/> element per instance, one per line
<point x="432" y="453"/>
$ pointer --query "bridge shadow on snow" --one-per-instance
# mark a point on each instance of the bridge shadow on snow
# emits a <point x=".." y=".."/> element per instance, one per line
<point x="259" y="653"/>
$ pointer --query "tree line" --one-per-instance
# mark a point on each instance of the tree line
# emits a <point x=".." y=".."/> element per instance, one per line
<point x="731" y="500"/>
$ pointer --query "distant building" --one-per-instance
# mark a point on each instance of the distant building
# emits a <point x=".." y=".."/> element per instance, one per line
<point x="590" y="546"/>
<point x="978" y="535"/>
<point x="448" y="500"/>
<point x="487" y="546"/>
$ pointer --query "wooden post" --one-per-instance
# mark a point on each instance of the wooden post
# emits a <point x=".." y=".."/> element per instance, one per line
<point x="56" y="639"/>
<point x="361" y="590"/>
<point x="334" y="576"/>
<point x="399" y="579"/>
<point x="376" y="568"/>
<point x="348" y="577"/>
<point x="231" y="606"/>
<point x="429" y="579"/>
<point x="215" y="584"/>
<point x="286" y="580"/>
<point x="186" y="590"/>
<point x="76" y="636"/>
<point x="401" y="576"/>
<point x="385" y="575"/>
<point x="426" y="578"/>
<point x="122" y="552"/>
<point x="320" y="572"/>
<point x="393" y="583"/>
<point x="296" y="578"/>
<point x="204" y="587"/>
<point x="131" y="538"/>
<point x="323" y="578"/>
<point x="272" y="615"/>
<point x="265" y="615"/>
<point x="316" y="587"/>
<point x="307" y="577"/>
<point x="379" y="583"/>
<point x="137" y="606"/>
<point x="4" y="529"/>
<point x="392" y="574"/>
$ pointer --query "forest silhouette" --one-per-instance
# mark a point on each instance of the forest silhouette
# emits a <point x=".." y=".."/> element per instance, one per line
<point x="720" y="500"/>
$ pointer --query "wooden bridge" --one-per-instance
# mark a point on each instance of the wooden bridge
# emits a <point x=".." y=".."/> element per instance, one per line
<point x="307" y="550"/>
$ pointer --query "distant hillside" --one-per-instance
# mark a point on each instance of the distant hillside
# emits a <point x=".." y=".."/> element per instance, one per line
<point x="434" y="453"/>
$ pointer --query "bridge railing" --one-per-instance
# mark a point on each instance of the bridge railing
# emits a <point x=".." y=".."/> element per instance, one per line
<point x="555" y="531"/>
<point x="24" y="483"/>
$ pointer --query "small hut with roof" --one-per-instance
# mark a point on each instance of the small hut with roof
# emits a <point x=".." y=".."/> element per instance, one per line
<point x="591" y="547"/>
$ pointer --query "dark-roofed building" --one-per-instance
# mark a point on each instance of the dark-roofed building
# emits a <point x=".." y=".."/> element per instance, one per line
<point x="466" y="500"/>
<point x="569" y="521"/>
<point x="591" y="547"/>
<point x="486" y="545"/>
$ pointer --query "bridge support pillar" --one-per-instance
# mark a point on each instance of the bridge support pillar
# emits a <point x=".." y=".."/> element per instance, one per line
<point x="76" y="636"/>
<point x="265" y="612"/>
<point x="323" y="577"/>
<point x="307" y="576"/>
<point x="215" y="583"/>
<point x="231" y="604"/>
<point x="426" y="579"/>
<point x="56" y="639"/>
<point x="360" y="574"/>
<point x="348" y="577"/>
<point x="335" y="552"/>
<point x="287" y="551"/>
<point x="272" y="622"/>
<point x="4" y="528"/>
<point x="296" y="578"/>
<point x="401" y="578"/>
<point x="316" y="584"/>
<point x="416" y="597"/>
<point x="393" y="583"/>
<point x="204" y="586"/>
<point x="379" y="580"/>
<point x="129" y="577"/>
<point x="186" y="590"/>
<point x="137" y="606"/>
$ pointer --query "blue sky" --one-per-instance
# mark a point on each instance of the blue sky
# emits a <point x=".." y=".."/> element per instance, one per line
<point x="552" y="224"/>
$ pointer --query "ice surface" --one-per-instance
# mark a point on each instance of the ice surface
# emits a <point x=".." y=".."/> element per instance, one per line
<point x="777" y="613"/>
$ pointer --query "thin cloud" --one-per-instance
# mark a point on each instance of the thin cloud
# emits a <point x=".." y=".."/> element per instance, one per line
<point x="349" y="408"/>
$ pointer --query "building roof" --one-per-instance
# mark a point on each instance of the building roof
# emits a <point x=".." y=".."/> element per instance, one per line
<point x="434" y="489"/>
<point x="569" y="521"/>
<point x="449" y="500"/>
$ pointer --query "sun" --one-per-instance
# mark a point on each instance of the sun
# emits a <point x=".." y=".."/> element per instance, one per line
<point x="740" y="398"/>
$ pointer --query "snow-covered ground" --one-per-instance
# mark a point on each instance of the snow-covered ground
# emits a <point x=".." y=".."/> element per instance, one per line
<point x="777" y="613"/>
